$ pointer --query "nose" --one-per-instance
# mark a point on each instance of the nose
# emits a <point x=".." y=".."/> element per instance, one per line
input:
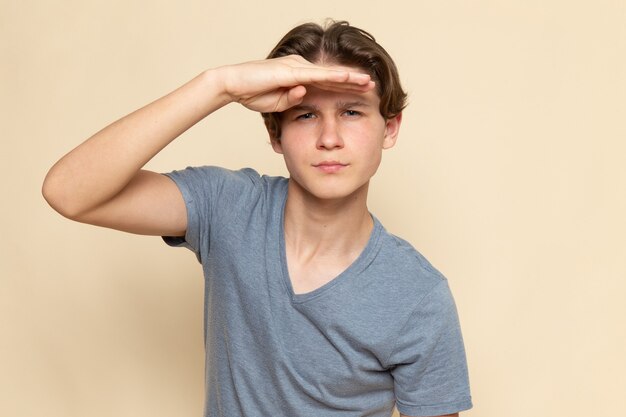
<point x="329" y="135"/>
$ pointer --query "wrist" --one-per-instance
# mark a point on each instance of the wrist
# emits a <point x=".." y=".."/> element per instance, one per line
<point x="215" y="79"/>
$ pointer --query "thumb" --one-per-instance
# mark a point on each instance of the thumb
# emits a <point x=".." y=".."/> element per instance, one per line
<point x="295" y="95"/>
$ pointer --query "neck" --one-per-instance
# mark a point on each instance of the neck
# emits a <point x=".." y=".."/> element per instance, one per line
<point x="337" y="228"/>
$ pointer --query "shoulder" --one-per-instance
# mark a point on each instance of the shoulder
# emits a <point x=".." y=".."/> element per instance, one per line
<point x="217" y="180"/>
<point x="406" y="266"/>
<point x="209" y="173"/>
<point x="400" y="282"/>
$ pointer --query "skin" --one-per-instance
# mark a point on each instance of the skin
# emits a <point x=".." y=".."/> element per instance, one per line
<point x="332" y="144"/>
<point x="101" y="181"/>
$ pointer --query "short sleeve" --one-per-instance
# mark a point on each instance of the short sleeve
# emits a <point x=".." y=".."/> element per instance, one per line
<point x="207" y="190"/>
<point x="428" y="363"/>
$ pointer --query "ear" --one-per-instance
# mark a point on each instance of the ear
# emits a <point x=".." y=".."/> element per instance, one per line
<point x="271" y="132"/>
<point x="392" y="128"/>
<point x="276" y="145"/>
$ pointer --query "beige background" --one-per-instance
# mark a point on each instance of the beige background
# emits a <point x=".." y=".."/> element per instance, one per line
<point x="509" y="176"/>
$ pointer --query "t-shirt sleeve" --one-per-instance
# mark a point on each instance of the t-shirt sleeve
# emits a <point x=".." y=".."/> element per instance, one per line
<point x="428" y="362"/>
<point x="206" y="191"/>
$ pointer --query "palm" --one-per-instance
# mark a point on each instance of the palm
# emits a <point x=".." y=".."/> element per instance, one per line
<point x="275" y="85"/>
<point x="276" y="100"/>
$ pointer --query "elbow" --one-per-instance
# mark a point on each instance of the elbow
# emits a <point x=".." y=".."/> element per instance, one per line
<point x="58" y="197"/>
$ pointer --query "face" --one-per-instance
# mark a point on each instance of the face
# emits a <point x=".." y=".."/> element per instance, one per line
<point x="332" y="142"/>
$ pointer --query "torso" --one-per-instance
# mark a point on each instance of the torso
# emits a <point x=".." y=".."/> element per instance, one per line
<point x="307" y="278"/>
<point x="321" y="351"/>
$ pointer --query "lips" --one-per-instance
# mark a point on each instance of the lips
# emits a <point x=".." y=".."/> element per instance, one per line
<point x="330" y="166"/>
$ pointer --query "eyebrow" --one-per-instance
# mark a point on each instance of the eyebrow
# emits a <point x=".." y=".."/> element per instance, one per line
<point x="304" y="107"/>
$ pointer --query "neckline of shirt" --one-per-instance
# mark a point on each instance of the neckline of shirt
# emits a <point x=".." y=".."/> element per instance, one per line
<point x="360" y="263"/>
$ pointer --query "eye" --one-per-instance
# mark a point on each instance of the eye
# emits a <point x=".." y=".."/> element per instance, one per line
<point x="352" y="113"/>
<point x="305" y="116"/>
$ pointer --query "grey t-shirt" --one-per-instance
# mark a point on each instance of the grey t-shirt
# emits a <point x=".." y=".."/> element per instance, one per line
<point x="383" y="332"/>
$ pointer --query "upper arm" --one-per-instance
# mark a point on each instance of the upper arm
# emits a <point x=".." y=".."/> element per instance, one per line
<point x="151" y="204"/>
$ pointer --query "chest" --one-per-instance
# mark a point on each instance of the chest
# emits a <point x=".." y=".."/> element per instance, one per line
<point x="308" y="277"/>
<point x="309" y="273"/>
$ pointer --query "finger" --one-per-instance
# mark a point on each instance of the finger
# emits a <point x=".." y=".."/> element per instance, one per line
<point x="296" y="95"/>
<point x="290" y="98"/>
<point x="308" y="72"/>
<point x="359" y="78"/>
<point x="345" y="87"/>
<point x="326" y="75"/>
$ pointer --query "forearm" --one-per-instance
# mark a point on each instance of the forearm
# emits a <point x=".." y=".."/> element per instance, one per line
<point x="102" y="166"/>
<point x="96" y="173"/>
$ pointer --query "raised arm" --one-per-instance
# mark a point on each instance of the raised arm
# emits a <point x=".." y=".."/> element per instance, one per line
<point x="100" y="182"/>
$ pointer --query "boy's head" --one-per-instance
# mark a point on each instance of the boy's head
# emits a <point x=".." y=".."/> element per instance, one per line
<point x="338" y="43"/>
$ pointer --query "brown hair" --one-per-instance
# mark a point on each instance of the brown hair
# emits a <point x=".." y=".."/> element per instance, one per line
<point x="341" y="44"/>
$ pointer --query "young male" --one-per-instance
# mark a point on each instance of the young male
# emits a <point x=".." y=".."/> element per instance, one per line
<point x="311" y="307"/>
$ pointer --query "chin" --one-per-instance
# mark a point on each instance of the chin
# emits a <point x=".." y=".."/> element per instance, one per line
<point x="336" y="192"/>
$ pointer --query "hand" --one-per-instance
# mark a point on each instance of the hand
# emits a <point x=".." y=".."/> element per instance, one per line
<point x="274" y="85"/>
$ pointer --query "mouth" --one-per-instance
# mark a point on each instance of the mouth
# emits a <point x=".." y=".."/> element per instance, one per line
<point x="330" y="166"/>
